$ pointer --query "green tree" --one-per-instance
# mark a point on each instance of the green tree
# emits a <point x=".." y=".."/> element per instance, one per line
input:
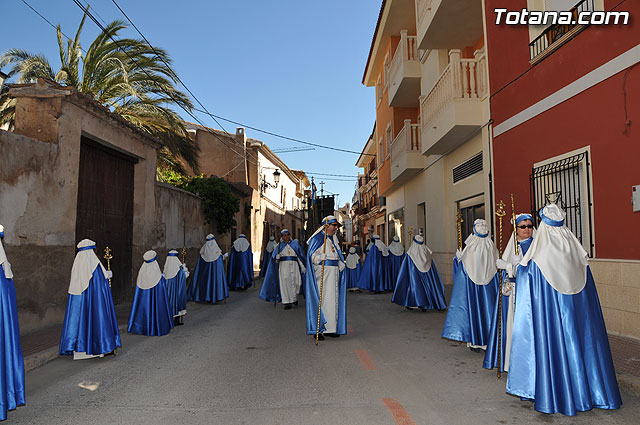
<point x="219" y="203"/>
<point x="130" y="77"/>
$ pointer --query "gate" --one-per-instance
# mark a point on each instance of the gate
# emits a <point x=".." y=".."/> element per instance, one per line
<point x="105" y="209"/>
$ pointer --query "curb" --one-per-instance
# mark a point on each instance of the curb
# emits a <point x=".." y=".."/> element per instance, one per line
<point x="45" y="356"/>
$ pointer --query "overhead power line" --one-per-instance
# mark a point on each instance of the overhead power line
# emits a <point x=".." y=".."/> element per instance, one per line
<point x="204" y="110"/>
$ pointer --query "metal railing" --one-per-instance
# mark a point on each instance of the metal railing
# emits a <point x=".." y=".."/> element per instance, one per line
<point x="566" y="183"/>
<point x="556" y="31"/>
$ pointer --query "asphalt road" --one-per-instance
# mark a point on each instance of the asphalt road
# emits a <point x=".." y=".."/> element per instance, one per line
<point x="244" y="362"/>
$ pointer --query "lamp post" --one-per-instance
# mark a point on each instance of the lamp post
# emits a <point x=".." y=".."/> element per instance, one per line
<point x="265" y="184"/>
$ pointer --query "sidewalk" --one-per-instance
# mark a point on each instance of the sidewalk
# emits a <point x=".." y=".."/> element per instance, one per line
<point x="41" y="347"/>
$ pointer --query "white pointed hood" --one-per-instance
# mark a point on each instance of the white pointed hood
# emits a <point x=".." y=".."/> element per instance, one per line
<point x="420" y="254"/>
<point x="241" y="244"/>
<point x="83" y="267"/>
<point x="149" y="274"/>
<point x="210" y="251"/>
<point x="480" y="254"/>
<point x="171" y="265"/>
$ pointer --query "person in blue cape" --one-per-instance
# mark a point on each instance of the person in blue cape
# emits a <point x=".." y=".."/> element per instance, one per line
<point x="374" y="276"/>
<point x="209" y="281"/>
<point x="475" y="289"/>
<point x="150" y="312"/>
<point x="351" y="273"/>
<point x="90" y="327"/>
<point x="266" y="255"/>
<point x="324" y="250"/>
<point x="240" y="267"/>
<point x="395" y="259"/>
<point x="419" y="283"/>
<point x="11" y="361"/>
<point x="524" y="232"/>
<point x="560" y="354"/>
<point x="285" y="272"/>
<point x="176" y="274"/>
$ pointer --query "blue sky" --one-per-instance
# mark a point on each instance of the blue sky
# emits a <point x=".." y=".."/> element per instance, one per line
<point x="289" y="66"/>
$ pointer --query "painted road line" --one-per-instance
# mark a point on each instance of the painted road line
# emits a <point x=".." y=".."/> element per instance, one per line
<point x="400" y="415"/>
<point x="366" y="361"/>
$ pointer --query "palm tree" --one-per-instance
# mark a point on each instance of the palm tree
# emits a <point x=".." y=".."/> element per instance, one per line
<point x="130" y="77"/>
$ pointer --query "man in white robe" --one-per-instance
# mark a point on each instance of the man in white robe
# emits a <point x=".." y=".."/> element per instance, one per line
<point x="289" y="258"/>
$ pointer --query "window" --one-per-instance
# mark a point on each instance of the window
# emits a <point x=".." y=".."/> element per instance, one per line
<point x="546" y="38"/>
<point x="565" y="180"/>
<point x="380" y="152"/>
<point x="389" y="140"/>
<point x="387" y="65"/>
<point x="379" y="90"/>
<point x="471" y="210"/>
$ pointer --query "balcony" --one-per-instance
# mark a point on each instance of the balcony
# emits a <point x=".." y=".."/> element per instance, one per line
<point x="453" y="110"/>
<point x="403" y="74"/>
<point x="406" y="153"/>
<point x="448" y="24"/>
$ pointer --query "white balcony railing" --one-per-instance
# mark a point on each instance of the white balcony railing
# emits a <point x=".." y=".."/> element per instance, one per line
<point x="407" y="140"/>
<point x="406" y="51"/>
<point x="461" y="79"/>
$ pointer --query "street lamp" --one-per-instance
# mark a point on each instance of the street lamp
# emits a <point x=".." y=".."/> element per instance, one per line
<point x="276" y="179"/>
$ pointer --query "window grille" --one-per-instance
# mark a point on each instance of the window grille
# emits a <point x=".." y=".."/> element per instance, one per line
<point x="566" y="183"/>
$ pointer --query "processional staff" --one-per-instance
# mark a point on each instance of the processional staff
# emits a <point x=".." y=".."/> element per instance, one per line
<point x="324" y="251"/>
<point x="459" y="222"/>
<point x="108" y="257"/>
<point x="513" y="219"/>
<point x="500" y="212"/>
<point x="275" y="295"/>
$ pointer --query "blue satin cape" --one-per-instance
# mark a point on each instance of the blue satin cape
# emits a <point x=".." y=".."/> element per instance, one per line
<point x="491" y="355"/>
<point x="265" y="262"/>
<point x="470" y="308"/>
<point x="394" y="263"/>
<point x="150" y="312"/>
<point x="417" y="289"/>
<point x="90" y="325"/>
<point x="12" y="363"/>
<point x="271" y="284"/>
<point x="560" y="355"/>
<point x="374" y="276"/>
<point x="312" y="293"/>
<point x="240" y="269"/>
<point x="352" y="276"/>
<point x="209" y="282"/>
<point x="177" y="293"/>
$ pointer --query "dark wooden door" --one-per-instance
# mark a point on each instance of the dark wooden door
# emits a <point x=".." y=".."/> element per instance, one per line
<point x="105" y="209"/>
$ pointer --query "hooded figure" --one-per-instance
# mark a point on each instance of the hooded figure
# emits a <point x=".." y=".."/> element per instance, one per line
<point x="240" y="267"/>
<point x="396" y="257"/>
<point x="209" y="282"/>
<point x="176" y="274"/>
<point x="285" y="272"/>
<point x="150" y="312"/>
<point x="351" y="273"/>
<point x="560" y="355"/>
<point x="475" y="289"/>
<point x="324" y="250"/>
<point x="374" y="276"/>
<point x="11" y="361"/>
<point x="419" y="284"/>
<point x="90" y="326"/>
<point x="266" y="255"/>
<point x="507" y="263"/>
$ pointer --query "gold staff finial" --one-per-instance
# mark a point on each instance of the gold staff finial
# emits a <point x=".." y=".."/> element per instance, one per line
<point x="459" y="222"/>
<point x="108" y="257"/>
<point x="513" y="218"/>
<point x="500" y="212"/>
<point x="184" y="253"/>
